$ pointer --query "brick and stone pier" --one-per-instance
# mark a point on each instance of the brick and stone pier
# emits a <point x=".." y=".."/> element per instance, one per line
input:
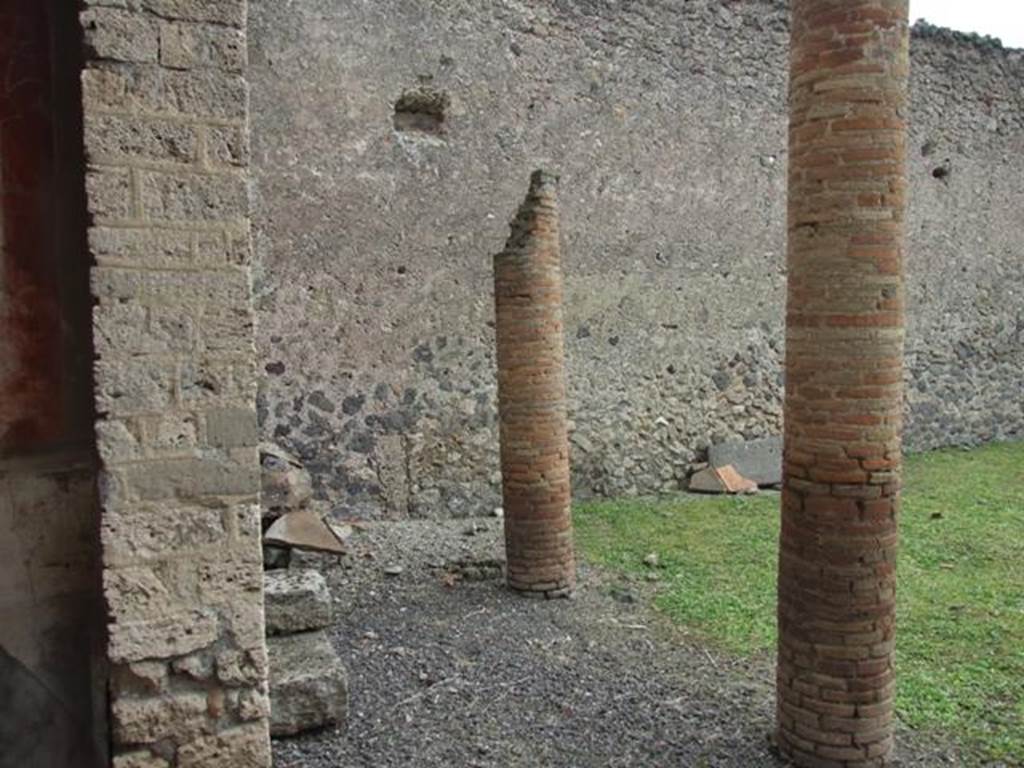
<point x="532" y="398"/>
<point x="844" y="370"/>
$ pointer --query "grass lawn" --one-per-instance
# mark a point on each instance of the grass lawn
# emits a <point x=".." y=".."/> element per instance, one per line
<point x="960" y="635"/>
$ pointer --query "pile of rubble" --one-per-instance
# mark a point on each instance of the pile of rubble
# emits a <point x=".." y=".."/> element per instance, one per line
<point x="308" y="682"/>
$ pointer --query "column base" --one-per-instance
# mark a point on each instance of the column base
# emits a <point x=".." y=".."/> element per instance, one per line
<point x="833" y="756"/>
<point x="544" y="591"/>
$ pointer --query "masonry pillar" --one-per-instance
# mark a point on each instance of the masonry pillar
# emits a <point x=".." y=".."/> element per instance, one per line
<point x="167" y="144"/>
<point x="532" y="398"/>
<point x="844" y="367"/>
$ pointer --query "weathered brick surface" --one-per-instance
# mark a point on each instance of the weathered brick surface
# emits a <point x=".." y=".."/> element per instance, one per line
<point x="532" y="398"/>
<point x="844" y="360"/>
<point x="166" y="139"/>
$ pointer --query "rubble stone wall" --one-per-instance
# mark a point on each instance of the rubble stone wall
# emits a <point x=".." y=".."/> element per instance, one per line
<point x="390" y="141"/>
<point x="166" y="137"/>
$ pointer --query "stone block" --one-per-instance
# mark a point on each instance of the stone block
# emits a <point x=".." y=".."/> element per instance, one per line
<point x="229" y="12"/>
<point x="226" y="328"/>
<point x="163" y="637"/>
<point x="250" y="704"/>
<point x="180" y="289"/>
<point x="237" y="667"/>
<point x="119" y="35"/>
<point x="227" y="145"/>
<point x="168" y="716"/>
<point x="170" y="432"/>
<point x="230" y="427"/>
<point x="141" y="247"/>
<point x="220" y="381"/>
<point x="139" y="592"/>
<point x="149" y="89"/>
<point x="118" y="440"/>
<point x="295" y="601"/>
<point x="760" y="460"/>
<point x="150" y="531"/>
<point x="192" y="46"/>
<point x="109" y="193"/>
<point x="132" y="329"/>
<point x="247" y="746"/>
<point x="140" y="759"/>
<point x="115" y="138"/>
<point x="308" y="683"/>
<point x="204" y="93"/>
<point x="189" y="478"/>
<point x="141" y="678"/>
<point x="194" y="197"/>
<point x="243" y="616"/>
<point x="131" y="385"/>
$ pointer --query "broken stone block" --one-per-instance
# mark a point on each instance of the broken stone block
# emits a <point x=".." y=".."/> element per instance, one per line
<point x="285" y="483"/>
<point x="721" y="480"/>
<point x="308" y="683"/>
<point x="759" y="460"/>
<point x="302" y="529"/>
<point x="706" y="481"/>
<point x="296" y="601"/>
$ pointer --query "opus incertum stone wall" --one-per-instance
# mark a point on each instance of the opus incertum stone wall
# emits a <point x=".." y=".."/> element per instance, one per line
<point x="532" y="398"/>
<point x="667" y="123"/>
<point x="844" y="381"/>
<point x="165" y="105"/>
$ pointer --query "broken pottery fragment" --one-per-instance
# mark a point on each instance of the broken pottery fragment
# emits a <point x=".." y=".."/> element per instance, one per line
<point x="303" y="529"/>
<point x="721" y="480"/>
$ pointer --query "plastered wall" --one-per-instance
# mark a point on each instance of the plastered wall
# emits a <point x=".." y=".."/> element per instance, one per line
<point x="52" y="668"/>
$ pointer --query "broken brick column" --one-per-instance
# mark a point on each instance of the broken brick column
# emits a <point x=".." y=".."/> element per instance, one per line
<point x="844" y="368"/>
<point x="532" y="398"/>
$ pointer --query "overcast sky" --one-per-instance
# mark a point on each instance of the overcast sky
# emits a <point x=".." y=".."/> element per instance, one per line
<point x="1000" y="18"/>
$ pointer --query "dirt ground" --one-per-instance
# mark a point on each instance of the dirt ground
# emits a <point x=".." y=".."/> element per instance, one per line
<point x="448" y="668"/>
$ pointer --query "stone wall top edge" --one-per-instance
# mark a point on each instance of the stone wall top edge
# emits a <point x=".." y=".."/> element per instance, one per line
<point x="922" y="30"/>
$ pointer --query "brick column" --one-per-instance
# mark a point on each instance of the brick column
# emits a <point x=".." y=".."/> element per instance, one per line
<point x="532" y="399"/>
<point x="166" y="137"/>
<point x="844" y="366"/>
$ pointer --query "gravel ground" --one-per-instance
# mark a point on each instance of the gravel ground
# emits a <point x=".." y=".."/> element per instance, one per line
<point x="447" y="668"/>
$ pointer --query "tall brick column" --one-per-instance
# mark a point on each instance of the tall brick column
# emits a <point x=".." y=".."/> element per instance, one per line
<point x="844" y="366"/>
<point x="532" y="398"/>
<point x="166" y="138"/>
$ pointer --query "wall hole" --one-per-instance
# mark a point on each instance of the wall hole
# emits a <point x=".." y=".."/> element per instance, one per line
<point x="422" y="110"/>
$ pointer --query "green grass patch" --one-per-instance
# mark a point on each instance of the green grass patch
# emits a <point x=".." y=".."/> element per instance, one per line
<point x="960" y="635"/>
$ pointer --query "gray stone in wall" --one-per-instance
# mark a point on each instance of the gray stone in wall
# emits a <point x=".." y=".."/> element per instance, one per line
<point x="295" y="601"/>
<point x="308" y="683"/>
<point x="759" y="460"/>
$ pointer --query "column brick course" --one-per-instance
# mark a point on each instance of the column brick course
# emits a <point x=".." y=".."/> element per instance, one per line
<point x="843" y="406"/>
<point x="166" y="139"/>
<point x="532" y="398"/>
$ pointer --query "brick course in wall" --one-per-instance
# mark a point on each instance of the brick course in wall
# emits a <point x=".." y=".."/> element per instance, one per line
<point x="532" y="398"/>
<point x="166" y="136"/>
<point x="844" y="374"/>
